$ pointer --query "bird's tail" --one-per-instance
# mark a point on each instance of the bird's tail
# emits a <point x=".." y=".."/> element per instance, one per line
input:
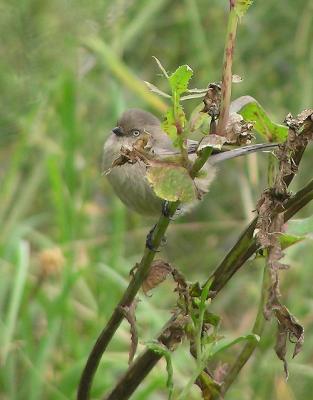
<point x="241" y="151"/>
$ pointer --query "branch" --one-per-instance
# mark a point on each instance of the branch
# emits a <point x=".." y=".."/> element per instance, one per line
<point x="128" y="297"/>
<point x="157" y="234"/>
<point x="245" y="247"/>
<point x="227" y="69"/>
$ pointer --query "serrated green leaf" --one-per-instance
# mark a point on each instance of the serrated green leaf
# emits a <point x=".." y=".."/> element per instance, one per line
<point x="241" y="7"/>
<point x="173" y="125"/>
<point x="179" y="79"/>
<point x="253" y="112"/>
<point x="224" y="343"/>
<point x="172" y="183"/>
<point x="287" y="240"/>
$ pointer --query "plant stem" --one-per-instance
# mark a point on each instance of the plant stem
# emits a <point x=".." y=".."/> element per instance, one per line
<point x="128" y="297"/>
<point x="249" y="347"/>
<point x="227" y="69"/>
<point x="130" y="293"/>
<point x="245" y="247"/>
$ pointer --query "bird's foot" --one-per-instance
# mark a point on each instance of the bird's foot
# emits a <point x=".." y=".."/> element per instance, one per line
<point x="149" y="240"/>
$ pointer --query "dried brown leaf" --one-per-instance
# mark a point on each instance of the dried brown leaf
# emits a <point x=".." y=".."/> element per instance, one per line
<point x="158" y="273"/>
<point x="129" y="314"/>
<point x="288" y="327"/>
<point x="237" y="130"/>
<point x="212" y="100"/>
<point x="271" y="223"/>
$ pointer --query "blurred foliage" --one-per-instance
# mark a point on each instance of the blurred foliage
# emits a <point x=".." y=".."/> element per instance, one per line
<point x="66" y="242"/>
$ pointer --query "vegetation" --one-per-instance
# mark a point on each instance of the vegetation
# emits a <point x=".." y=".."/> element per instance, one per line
<point x="67" y="244"/>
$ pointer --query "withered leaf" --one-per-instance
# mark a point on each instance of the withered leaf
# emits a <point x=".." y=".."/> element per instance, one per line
<point x="129" y="314"/>
<point x="237" y="130"/>
<point x="139" y="151"/>
<point x="212" y="100"/>
<point x="214" y="141"/>
<point x="288" y="327"/>
<point x="281" y="347"/>
<point x="270" y="226"/>
<point x="158" y="273"/>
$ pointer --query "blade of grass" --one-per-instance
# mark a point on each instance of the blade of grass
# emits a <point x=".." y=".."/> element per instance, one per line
<point x="22" y="254"/>
<point x="123" y="73"/>
<point x="24" y="198"/>
<point x="138" y="24"/>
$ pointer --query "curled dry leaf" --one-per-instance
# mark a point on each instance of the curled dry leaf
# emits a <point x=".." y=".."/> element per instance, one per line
<point x="212" y="100"/>
<point x="139" y="151"/>
<point x="182" y="288"/>
<point x="214" y="141"/>
<point x="238" y="131"/>
<point x="288" y="327"/>
<point x="270" y="225"/>
<point x="158" y="273"/>
<point x="129" y="314"/>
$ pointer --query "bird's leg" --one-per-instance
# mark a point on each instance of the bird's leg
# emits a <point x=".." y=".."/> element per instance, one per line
<point x="149" y="243"/>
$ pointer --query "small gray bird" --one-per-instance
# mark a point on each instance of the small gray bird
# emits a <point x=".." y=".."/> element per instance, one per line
<point x="129" y="180"/>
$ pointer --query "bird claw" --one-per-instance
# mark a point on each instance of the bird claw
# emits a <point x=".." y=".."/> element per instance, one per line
<point x="149" y="243"/>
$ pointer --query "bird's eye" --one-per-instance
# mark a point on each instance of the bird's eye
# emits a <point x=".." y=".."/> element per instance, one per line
<point x="135" y="132"/>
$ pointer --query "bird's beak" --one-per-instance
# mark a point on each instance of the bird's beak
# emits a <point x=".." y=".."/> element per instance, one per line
<point x="118" y="131"/>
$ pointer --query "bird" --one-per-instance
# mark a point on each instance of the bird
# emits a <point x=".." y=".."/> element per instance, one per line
<point x="129" y="180"/>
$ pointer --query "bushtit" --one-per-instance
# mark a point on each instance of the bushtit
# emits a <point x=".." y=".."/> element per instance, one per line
<point x="129" y="180"/>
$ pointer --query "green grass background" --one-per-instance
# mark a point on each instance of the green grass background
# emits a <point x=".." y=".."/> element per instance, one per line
<point x="67" y="243"/>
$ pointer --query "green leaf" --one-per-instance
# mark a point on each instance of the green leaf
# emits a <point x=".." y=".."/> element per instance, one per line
<point x="179" y="79"/>
<point x="161" y="67"/>
<point x="198" y="119"/>
<point x="174" y="125"/>
<point x="158" y="348"/>
<point x="287" y="240"/>
<point x="172" y="183"/>
<point x="224" y="344"/>
<point x="156" y="90"/>
<point x="241" y="7"/>
<point x="253" y="112"/>
<point x="300" y="227"/>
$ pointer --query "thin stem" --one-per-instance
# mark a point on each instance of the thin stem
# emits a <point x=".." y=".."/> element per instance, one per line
<point x="200" y="161"/>
<point x="249" y="347"/>
<point x="227" y="69"/>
